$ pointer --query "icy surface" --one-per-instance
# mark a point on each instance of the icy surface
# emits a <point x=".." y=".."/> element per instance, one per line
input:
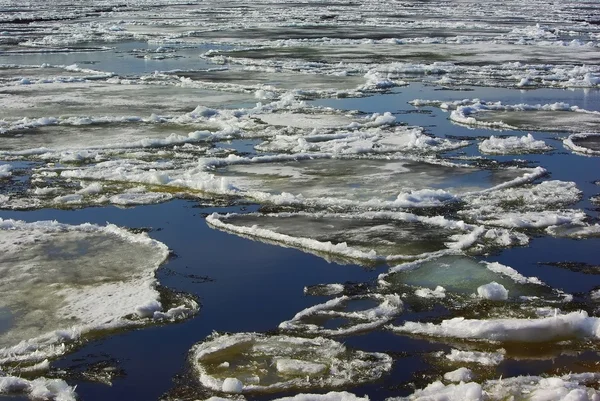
<point x="459" y="375"/>
<point x="460" y="275"/>
<point x="63" y="281"/>
<point x="588" y="143"/>
<point x="38" y="389"/>
<point x="314" y="319"/>
<point x="481" y="358"/>
<point x="300" y="109"/>
<point x="493" y="291"/>
<point x="572" y="325"/>
<point x="368" y="236"/>
<point x="274" y="363"/>
<point x="521" y="388"/>
<point x="512" y="145"/>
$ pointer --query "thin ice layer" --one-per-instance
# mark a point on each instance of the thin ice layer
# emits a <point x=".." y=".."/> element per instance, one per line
<point x="460" y="275"/>
<point x="357" y="314"/>
<point x="261" y="363"/>
<point x="555" y="328"/>
<point x="63" y="281"/>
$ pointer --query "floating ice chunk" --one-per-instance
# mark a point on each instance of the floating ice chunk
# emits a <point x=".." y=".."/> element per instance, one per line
<point x="69" y="199"/>
<point x="232" y="385"/>
<point x="38" y="389"/>
<point x="367" y="236"/>
<point x="537" y="219"/>
<point x="493" y="291"/>
<point x="522" y="388"/>
<point x="91" y="189"/>
<point x="307" y="363"/>
<point x="587" y="143"/>
<point x="459" y="375"/>
<point x="324" y="289"/>
<point x="575" y="231"/>
<point x="321" y="180"/>
<point x="512" y="273"/>
<point x="438" y="292"/>
<point x="331" y="396"/>
<point x="5" y="170"/>
<point x="452" y="392"/>
<point x="572" y="325"/>
<point x="546" y="117"/>
<point x="313" y="320"/>
<point x="481" y="358"/>
<point x="513" y="145"/>
<point x="147" y="310"/>
<point x="139" y="196"/>
<point x="66" y="281"/>
<point x="527" y="206"/>
<point x="460" y="275"/>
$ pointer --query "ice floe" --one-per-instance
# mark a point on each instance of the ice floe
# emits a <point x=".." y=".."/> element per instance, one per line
<point x="557" y="116"/>
<point x="513" y="145"/>
<point x="555" y="328"/>
<point x="369" y="237"/>
<point x="459" y="275"/>
<point x="459" y="375"/>
<point x="319" y="179"/>
<point x="587" y="143"/>
<point x="262" y="363"/>
<point x="478" y="357"/>
<point x="314" y="320"/>
<point x="62" y="282"/>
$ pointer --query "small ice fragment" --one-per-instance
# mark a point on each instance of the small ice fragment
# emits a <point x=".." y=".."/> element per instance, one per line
<point x="297" y="367"/>
<point x="148" y="309"/>
<point x="439" y="292"/>
<point x="232" y="385"/>
<point x="493" y="291"/>
<point x="459" y="375"/>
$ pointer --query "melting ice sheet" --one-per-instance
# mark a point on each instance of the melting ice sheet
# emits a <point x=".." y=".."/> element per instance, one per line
<point x="60" y="282"/>
<point x="368" y="237"/>
<point x="251" y="363"/>
<point x="351" y="182"/>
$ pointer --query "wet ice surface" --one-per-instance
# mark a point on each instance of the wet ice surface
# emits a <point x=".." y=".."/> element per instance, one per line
<point x="62" y="282"/>
<point x="418" y="175"/>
